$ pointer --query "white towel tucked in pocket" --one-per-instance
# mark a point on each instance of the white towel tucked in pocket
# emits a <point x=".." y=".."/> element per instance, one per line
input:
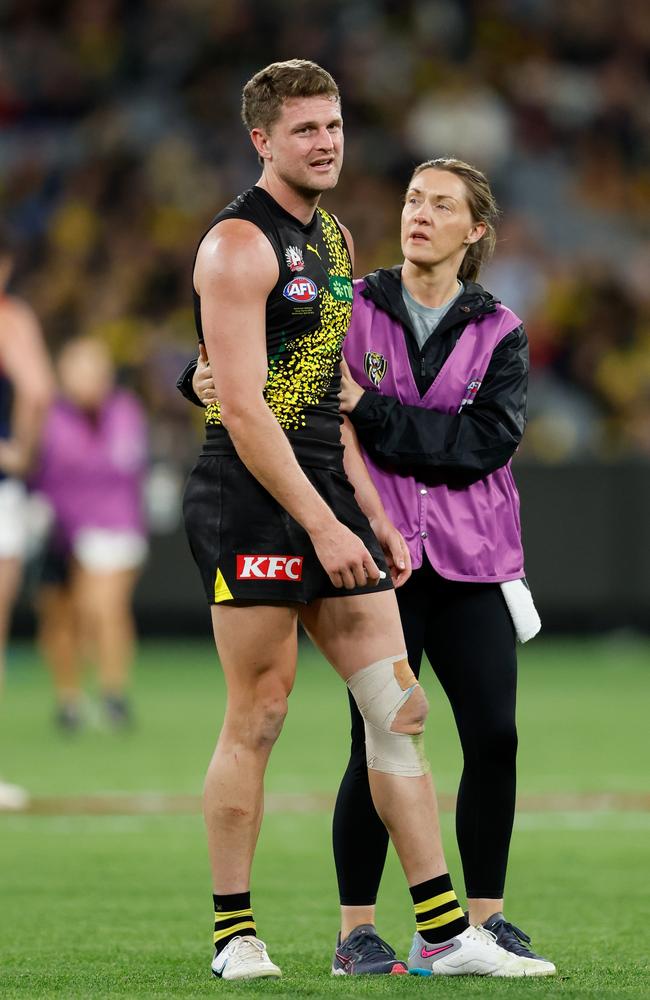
<point x="522" y="610"/>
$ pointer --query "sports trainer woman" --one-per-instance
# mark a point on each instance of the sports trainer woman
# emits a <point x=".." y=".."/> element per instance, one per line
<point x="436" y="390"/>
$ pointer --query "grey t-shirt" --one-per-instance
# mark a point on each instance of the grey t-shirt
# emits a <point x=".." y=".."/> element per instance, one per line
<point x="425" y="319"/>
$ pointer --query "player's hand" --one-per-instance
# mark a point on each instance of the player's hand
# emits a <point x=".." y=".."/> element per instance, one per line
<point x="350" y="392"/>
<point x="395" y="549"/>
<point x="344" y="557"/>
<point x="202" y="381"/>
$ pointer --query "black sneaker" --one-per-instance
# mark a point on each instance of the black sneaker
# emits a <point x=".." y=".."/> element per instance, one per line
<point x="68" y="717"/>
<point x="364" y="953"/>
<point x="118" y="711"/>
<point x="514" y="940"/>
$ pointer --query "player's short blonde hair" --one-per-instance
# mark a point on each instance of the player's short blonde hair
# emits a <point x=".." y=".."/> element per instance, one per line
<point x="483" y="208"/>
<point x="265" y="93"/>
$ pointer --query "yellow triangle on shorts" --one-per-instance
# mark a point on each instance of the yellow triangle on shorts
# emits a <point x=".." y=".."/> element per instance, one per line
<point x="221" y="589"/>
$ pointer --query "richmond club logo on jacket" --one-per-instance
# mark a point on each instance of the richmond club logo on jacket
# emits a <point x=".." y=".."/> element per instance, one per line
<point x="375" y="366"/>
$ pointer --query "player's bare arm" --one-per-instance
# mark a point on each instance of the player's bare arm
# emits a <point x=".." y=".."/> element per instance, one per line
<point x="393" y="545"/>
<point x="235" y="271"/>
<point x="26" y="364"/>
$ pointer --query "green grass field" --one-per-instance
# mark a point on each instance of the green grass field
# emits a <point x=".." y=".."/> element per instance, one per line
<point x="119" y="905"/>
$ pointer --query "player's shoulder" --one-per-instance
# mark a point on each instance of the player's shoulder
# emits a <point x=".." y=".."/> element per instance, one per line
<point x="232" y="234"/>
<point x="239" y="224"/>
<point x="236" y="248"/>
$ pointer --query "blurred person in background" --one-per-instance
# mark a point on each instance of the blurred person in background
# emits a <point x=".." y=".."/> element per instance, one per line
<point x="25" y="391"/>
<point x="91" y="467"/>
<point x="436" y="390"/>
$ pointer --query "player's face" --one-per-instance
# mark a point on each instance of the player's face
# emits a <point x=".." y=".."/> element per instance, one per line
<point x="304" y="147"/>
<point x="436" y="221"/>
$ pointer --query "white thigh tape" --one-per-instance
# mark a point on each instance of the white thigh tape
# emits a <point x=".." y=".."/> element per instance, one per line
<point x="380" y="690"/>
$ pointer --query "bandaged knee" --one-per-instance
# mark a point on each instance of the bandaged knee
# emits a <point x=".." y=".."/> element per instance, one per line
<point x="380" y="690"/>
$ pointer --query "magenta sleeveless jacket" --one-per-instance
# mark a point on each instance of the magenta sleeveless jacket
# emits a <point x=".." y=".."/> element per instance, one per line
<point x="471" y="533"/>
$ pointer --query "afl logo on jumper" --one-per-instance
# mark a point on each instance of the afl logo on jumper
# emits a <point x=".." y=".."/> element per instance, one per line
<point x="300" y="290"/>
<point x="269" y="568"/>
<point x="375" y="366"/>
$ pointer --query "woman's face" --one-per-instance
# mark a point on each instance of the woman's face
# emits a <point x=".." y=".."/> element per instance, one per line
<point x="86" y="373"/>
<point x="436" y="221"/>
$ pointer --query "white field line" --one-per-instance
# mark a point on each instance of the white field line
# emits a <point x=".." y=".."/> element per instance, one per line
<point x="559" y="823"/>
<point x="157" y="803"/>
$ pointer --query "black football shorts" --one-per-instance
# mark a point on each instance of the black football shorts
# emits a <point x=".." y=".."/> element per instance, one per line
<point x="248" y="548"/>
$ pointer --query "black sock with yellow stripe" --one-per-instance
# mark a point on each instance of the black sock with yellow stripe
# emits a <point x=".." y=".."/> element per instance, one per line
<point x="438" y="915"/>
<point x="232" y="916"/>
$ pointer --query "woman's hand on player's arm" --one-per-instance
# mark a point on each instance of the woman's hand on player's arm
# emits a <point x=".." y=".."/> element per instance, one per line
<point x="202" y="381"/>
<point x="351" y="392"/>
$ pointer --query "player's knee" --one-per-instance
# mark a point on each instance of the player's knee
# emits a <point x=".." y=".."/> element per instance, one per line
<point x="394" y="709"/>
<point x="268" y="717"/>
<point x="413" y="713"/>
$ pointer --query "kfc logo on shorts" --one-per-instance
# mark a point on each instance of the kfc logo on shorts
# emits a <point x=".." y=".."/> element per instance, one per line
<point x="300" y="290"/>
<point x="269" y="568"/>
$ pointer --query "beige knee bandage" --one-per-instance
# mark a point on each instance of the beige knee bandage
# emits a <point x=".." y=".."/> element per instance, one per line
<point x="380" y="690"/>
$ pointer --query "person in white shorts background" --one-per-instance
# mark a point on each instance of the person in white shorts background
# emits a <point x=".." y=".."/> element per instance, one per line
<point x="25" y="392"/>
<point x="90" y="472"/>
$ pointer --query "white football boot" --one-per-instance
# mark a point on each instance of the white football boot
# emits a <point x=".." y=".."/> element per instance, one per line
<point x="244" y="958"/>
<point x="472" y="953"/>
<point x="12" y="797"/>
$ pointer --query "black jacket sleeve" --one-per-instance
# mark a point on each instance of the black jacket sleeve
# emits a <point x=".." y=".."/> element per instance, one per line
<point x="476" y="441"/>
<point x="184" y="383"/>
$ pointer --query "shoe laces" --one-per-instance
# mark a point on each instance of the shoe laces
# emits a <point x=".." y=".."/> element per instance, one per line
<point x="514" y="931"/>
<point x="366" y="944"/>
<point x="488" y="936"/>
<point x="242" y="943"/>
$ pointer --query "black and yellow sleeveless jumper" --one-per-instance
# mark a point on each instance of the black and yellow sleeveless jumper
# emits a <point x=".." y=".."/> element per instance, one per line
<point x="307" y="317"/>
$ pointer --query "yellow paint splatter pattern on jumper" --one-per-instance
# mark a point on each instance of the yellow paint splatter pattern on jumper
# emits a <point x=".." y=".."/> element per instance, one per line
<point x="302" y="377"/>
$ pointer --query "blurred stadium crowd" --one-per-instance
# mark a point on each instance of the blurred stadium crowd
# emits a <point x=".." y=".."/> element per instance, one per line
<point x="120" y="138"/>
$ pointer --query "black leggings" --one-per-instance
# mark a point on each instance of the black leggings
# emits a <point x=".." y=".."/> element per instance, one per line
<point x="466" y="631"/>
